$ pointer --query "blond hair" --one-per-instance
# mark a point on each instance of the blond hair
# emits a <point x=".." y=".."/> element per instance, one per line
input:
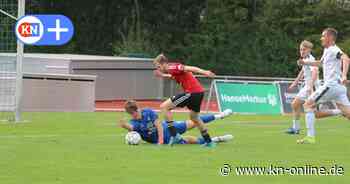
<point x="161" y="59"/>
<point x="307" y="44"/>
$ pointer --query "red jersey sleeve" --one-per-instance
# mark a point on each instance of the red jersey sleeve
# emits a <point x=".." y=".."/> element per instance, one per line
<point x="175" y="68"/>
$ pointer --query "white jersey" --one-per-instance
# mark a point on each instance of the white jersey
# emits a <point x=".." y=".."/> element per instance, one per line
<point x="308" y="71"/>
<point x="332" y="65"/>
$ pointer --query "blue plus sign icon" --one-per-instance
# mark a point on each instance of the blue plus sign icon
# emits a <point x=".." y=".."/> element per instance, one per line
<point x="44" y="29"/>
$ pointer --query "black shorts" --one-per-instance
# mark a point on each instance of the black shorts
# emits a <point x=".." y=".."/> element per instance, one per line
<point x="192" y="101"/>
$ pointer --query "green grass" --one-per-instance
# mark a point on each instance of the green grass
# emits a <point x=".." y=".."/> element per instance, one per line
<point x="83" y="148"/>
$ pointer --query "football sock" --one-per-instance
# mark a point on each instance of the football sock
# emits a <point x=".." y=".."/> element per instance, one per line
<point x="296" y="124"/>
<point x="172" y="129"/>
<point x="206" y="136"/>
<point x="207" y="118"/>
<point x="310" y="123"/>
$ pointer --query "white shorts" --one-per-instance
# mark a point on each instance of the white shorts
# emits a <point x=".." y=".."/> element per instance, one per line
<point x="333" y="93"/>
<point x="302" y="94"/>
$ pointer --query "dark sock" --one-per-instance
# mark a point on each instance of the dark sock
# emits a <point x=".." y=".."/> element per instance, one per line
<point x="206" y="136"/>
<point x="172" y="129"/>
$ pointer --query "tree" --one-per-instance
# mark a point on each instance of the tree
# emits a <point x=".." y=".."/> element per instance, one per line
<point x="233" y="37"/>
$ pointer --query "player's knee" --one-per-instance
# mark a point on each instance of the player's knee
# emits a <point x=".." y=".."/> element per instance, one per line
<point x="295" y="105"/>
<point x="345" y="112"/>
<point x="190" y="124"/>
<point x="308" y="106"/>
<point x="318" y="115"/>
<point x="347" y="115"/>
<point x="194" y="119"/>
<point x="162" y="106"/>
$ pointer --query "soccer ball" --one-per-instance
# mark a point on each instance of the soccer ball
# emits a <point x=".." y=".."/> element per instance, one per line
<point x="132" y="138"/>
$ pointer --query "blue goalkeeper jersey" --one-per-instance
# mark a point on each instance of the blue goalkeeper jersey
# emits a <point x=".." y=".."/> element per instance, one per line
<point x="146" y="125"/>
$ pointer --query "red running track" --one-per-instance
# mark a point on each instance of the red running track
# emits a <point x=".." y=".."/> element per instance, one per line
<point x="117" y="106"/>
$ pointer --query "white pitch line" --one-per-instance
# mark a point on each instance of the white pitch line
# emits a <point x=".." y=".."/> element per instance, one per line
<point x="56" y="135"/>
<point x="258" y="122"/>
<point x="27" y="136"/>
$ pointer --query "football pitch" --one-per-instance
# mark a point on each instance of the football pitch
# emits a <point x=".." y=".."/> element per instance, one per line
<point x="84" y="148"/>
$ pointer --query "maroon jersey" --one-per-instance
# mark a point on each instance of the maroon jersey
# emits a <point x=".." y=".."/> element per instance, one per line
<point x="186" y="79"/>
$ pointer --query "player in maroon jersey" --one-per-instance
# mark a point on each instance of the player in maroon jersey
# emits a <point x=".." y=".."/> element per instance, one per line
<point x="191" y="98"/>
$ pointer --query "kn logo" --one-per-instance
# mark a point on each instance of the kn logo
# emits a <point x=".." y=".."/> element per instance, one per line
<point x="29" y="30"/>
<point x="44" y="29"/>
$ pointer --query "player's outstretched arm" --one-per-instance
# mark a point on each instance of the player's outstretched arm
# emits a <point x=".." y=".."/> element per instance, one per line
<point x="345" y="60"/>
<point x="124" y="124"/>
<point x="160" y="74"/>
<point x="195" y="69"/>
<point x="317" y="63"/>
<point x="296" y="81"/>
<point x="159" y="127"/>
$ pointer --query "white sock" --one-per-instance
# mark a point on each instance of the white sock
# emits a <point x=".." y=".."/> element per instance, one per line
<point x="215" y="139"/>
<point x="218" y="116"/>
<point x="223" y="138"/>
<point x="310" y="123"/>
<point x="296" y="124"/>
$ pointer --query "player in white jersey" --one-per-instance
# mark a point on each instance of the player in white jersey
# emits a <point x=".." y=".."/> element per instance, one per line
<point x="310" y="84"/>
<point x="310" y="76"/>
<point x="335" y="65"/>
